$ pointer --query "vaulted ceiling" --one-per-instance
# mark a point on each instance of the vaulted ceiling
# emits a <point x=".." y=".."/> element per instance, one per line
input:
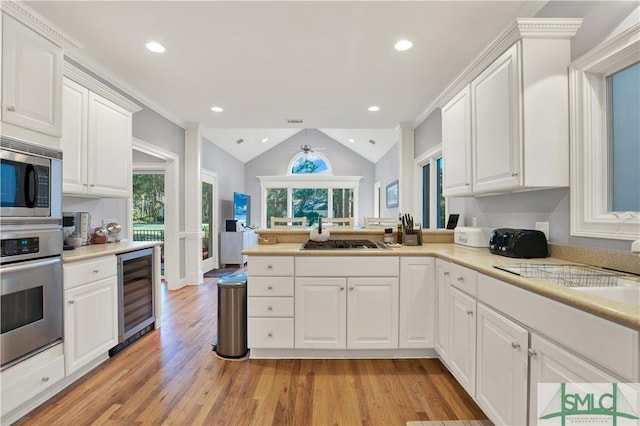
<point x="268" y="62"/>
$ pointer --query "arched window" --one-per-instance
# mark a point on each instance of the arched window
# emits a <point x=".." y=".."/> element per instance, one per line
<point x="309" y="163"/>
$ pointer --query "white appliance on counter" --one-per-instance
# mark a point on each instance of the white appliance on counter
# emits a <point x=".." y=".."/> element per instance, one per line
<point x="471" y="236"/>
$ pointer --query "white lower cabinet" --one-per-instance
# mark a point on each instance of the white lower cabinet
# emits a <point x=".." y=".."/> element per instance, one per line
<point x="443" y="294"/>
<point x="346" y="313"/>
<point x="90" y="311"/>
<point x="417" y="298"/>
<point x="501" y="363"/>
<point x="550" y="363"/>
<point x="462" y="349"/>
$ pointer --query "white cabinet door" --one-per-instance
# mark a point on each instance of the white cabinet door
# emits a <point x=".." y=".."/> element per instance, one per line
<point x="462" y="349"/>
<point x="495" y="132"/>
<point x="550" y="363"/>
<point x="321" y="313"/>
<point x="501" y="362"/>
<point x="31" y="79"/>
<point x="74" y="137"/>
<point x="441" y="343"/>
<point x="417" y="300"/>
<point x="90" y="322"/>
<point x="109" y="148"/>
<point x="456" y="144"/>
<point x="372" y="313"/>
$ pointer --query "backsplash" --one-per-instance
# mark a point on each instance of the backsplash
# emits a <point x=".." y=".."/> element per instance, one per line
<point x="101" y="209"/>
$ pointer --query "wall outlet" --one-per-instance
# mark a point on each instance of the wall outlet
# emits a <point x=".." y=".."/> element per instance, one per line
<point x="544" y="227"/>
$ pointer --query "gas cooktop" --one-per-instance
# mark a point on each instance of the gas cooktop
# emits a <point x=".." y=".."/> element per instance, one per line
<point x="341" y="244"/>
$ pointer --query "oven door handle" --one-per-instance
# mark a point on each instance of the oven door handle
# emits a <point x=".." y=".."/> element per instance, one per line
<point x="25" y="266"/>
<point x="30" y="186"/>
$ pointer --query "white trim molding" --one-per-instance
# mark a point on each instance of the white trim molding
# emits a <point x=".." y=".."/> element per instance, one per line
<point x="39" y="24"/>
<point x="590" y="215"/>
<point x="79" y="76"/>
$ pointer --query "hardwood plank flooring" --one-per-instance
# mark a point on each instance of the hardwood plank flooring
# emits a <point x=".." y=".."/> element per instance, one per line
<point x="171" y="376"/>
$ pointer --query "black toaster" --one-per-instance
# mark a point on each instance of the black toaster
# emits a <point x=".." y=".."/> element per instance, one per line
<point x="520" y="243"/>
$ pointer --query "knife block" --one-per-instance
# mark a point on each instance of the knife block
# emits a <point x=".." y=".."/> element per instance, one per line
<point x="413" y="239"/>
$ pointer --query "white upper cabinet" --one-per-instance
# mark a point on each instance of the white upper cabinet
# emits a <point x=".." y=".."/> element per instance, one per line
<point x="31" y="79"/>
<point x="507" y="128"/>
<point x="495" y="124"/>
<point x="96" y="142"/>
<point x="456" y="144"/>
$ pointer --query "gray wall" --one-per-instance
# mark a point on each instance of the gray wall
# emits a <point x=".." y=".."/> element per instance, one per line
<point x="344" y="161"/>
<point x="522" y="210"/>
<point x="387" y="171"/>
<point x="231" y="178"/>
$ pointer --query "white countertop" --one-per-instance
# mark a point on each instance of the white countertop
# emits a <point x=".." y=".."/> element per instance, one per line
<point x="97" y="250"/>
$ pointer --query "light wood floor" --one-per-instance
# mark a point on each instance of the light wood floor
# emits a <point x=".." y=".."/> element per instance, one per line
<point x="171" y="376"/>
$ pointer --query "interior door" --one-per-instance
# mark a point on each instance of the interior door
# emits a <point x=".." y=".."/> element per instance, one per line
<point x="209" y="222"/>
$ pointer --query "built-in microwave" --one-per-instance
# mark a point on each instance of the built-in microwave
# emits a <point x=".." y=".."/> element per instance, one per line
<point x="30" y="180"/>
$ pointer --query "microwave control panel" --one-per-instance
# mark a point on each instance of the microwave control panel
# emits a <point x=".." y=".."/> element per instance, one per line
<point x="18" y="246"/>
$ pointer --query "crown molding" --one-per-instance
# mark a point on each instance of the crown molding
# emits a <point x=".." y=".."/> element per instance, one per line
<point x="79" y="76"/>
<point x="42" y="26"/>
<point x="520" y="28"/>
<point x="102" y="72"/>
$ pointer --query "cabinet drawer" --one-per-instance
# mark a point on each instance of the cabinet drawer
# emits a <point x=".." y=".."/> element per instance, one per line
<point x="29" y="378"/>
<point x="270" y="266"/>
<point x="270" y="286"/>
<point x="270" y="333"/>
<point x="347" y="266"/>
<point x="270" y="306"/>
<point x="464" y="278"/>
<point x="79" y="273"/>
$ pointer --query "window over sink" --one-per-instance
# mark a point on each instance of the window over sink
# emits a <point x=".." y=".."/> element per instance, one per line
<point x="605" y="140"/>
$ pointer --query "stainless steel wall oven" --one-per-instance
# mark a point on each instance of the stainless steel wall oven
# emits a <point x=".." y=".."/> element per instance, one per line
<point x="31" y="250"/>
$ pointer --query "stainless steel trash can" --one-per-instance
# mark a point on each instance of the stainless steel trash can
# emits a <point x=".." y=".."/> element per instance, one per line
<point x="232" y="316"/>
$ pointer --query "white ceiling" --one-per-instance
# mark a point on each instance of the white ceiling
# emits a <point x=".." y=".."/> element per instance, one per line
<point x="265" y="62"/>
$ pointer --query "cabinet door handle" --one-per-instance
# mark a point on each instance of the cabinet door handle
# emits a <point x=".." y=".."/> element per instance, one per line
<point x="71" y="302"/>
<point x="461" y="279"/>
<point x="269" y="266"/>
<point x="342" y="288"/>
<point x="269" y="334"/>
<point x="351" y="288"/>
<point x="514" y="174"/>
<point x="11" y="108"/>
<point x="515" y="345"/>
<point x="270" y="287"/>
<point x="270" y="308"/>
<point x="95" y="271"/>
<point x="469" y="312"/>
<point x="532" y="353"/>
<point x="45" y="379"/>
<point x="446" y="273"/>
<point x="467" y="184"/>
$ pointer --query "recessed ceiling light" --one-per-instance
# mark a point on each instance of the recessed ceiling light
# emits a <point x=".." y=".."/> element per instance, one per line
<point x="351" y="140"/>
<point x="374" y="108"/>
<point x="155" y="47"/>
<point x="217" y="109"/>
<point x="403" y="45"/>
<point x="265" y="140"/>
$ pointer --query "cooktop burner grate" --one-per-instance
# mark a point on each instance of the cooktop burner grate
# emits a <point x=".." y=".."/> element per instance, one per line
<point x="340" y="244"/>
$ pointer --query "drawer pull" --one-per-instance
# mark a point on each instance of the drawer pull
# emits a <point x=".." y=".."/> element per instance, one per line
<point x="270" y="308"/>
<point x="446" y="273"/>
<point x="269" y="266"/>
<point x="514" y="174"/>
<point x="515" y="345"/>
<point x="351" y="288"/>
<point x="342" y="288"/>
<point x="532" y="353"/>
<point x="71" y="302"/>
<point x="270" y="287"/>
<point x="45" y="379"/>
<point x="11" y="108"/>
<point x="269" y="334"/>
<point x="461" y="279"/>
<point x="469" y="312"/>
<point x="95" y="271"/>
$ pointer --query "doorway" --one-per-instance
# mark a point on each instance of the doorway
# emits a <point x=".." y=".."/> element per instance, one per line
<point x="209" y="220"/>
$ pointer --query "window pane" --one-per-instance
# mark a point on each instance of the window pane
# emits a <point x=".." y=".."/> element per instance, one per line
<point x="309" y="163"/>
<point x="276" y="203"/>
<point x="624" y="139"/>
<point x="310" y="203"/>
<point x="426" y="195"/>
<point x="343" y="202"/>
<point x="439" y="196"/>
